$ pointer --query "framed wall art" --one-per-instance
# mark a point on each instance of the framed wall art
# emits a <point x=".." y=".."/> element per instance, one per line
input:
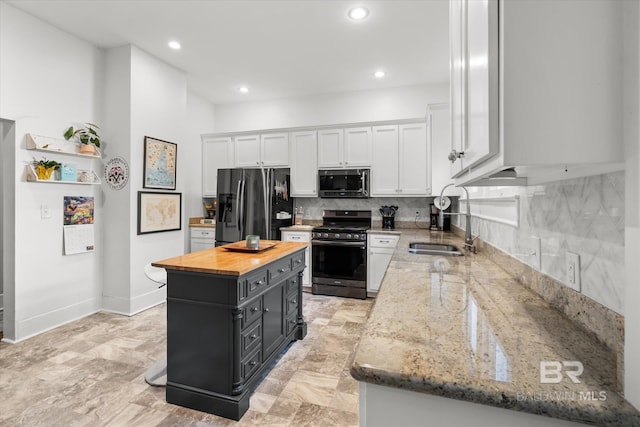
<point x="159" y="212"/>
<point x="159" y="164"/>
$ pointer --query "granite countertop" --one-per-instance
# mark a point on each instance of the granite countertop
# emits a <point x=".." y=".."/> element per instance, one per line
<point x="463" y="328"/>
<point x="222" y="261"/>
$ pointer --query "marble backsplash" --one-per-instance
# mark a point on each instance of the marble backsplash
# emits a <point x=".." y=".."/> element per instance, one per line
<point x="584" y="215"/>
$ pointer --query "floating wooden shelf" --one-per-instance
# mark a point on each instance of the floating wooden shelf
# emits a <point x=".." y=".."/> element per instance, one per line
<point x="57" y="145"/>
<point x="92" y="178"/>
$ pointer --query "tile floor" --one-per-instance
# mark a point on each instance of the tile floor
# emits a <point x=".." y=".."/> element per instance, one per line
<point x="91" y="373"/>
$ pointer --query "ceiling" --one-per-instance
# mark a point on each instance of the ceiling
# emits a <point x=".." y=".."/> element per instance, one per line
<point x="277" y="48"/>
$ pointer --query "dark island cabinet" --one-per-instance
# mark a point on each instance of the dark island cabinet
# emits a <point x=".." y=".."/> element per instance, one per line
<point x="224" y="332"/>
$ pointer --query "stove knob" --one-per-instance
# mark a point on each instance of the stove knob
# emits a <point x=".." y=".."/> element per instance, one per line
<point x="356" y="236"/>
<point x="349" y="236"/>
<point x="337" y="235"/>
<point x="326" y="235"/>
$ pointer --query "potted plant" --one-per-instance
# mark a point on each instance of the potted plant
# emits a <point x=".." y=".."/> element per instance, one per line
<point x="44" y="168"/>
<point x="87" y="136"/>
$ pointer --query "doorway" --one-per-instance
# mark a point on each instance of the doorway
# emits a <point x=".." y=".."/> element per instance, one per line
<point x="7" y="232"/>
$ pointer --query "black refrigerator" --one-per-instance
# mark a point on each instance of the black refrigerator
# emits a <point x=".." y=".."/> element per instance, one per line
<point x="252" y="201"/>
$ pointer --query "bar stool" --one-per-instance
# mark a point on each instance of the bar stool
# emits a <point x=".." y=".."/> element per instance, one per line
<point x="156" y="375"/>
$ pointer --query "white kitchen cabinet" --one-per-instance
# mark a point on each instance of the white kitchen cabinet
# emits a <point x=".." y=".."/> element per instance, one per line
<point x="344" y="148"/>
<point x="274" y="149"/>
<point x="401" y="165"/>
<point x="202" y="238"/>
<point x="264" y="150"/>
<point x="439" y="131"/>
<point x="247" y="151"/>
<point x="217" y="153"/>
<point x="381" y="247"/>
<point x="554" y="111"/>
<point x="304" y="163"/>
<point x="330" y="148"/>
<point x="301" y="237"/>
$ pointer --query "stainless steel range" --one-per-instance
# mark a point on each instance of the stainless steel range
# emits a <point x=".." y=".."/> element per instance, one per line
<point x="339" y="251"/>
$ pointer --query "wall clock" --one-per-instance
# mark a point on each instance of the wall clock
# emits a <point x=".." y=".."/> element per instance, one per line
<point x="116" y="173"/>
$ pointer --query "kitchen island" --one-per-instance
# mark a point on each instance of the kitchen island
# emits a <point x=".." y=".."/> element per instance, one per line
<point x="457" y="341"/>
<point x="229" y="316"/>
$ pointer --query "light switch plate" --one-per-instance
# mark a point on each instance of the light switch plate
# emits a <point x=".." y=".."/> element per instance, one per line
<point x="573" y="271"/>
<point x="45" y="212"/>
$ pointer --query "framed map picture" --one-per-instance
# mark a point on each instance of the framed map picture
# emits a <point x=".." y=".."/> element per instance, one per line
<point x="159" y="164"/>
<point x="159" y="212"/>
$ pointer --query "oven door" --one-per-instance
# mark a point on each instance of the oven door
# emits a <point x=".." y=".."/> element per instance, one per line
<point x="339" y="263"/>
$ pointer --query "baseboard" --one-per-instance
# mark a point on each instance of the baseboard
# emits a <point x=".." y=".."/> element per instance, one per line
<point x="36" y="325"/>
<point x="133" y="306"/>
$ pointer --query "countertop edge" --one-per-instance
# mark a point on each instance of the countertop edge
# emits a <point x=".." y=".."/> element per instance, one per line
<point x="495" y="398"/>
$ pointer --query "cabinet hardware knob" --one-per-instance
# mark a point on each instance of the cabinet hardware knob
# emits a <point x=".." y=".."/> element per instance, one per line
<point x="260" y="283"/>
<point x="254" y="309"/>
<point x="455" y="155"/>
<point x="254" y="363"/>
<point x="294" y="301"/>
<point x="299" y="261"/>
<point x="253" y="336"/>
<point x="266" y="310"/>
<point x="281" y="270"/>
<point x="292" y="321"/>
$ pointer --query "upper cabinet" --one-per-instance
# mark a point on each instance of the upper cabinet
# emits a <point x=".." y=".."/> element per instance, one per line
<point x="554" y="109"/>
<point x="401" y="164"/>
<point x="217" y="153"/>
<point x="344" y="148"/>
<point x="264" y="150"/>
<point x="304" y="163"/>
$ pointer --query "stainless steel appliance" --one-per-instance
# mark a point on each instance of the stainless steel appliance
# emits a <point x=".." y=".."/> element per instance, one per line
<point x="344" y="183"/>
<point x="252" y="201"/>
<point x="339" y="252"/>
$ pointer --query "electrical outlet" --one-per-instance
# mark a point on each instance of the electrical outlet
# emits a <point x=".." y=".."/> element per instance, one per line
<point x="535" y="244"/>
<point x="573" y="271"/>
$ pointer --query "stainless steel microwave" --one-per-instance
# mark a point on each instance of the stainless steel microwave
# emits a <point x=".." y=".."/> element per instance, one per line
<point x="344" y="183"/>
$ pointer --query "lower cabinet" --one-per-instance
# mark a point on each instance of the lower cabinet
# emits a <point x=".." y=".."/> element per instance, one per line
<point x="202" y="238"/>
<point x="301" y="236"/>
<point x="223" y="332"/>
<point x="381" y="248"/>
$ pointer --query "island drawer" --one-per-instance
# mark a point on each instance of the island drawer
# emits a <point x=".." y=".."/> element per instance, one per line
<point x="256" y="283"/>
<point x="292" y="304"/>
<point x="279" y="270"/>
<point x="250" y="364"/>
<point x="291" y="323"/>
<point x="292" y="285"/>
<point x="252" y="311"/>
<point x="297" y="260"/>
<point x="251" y="337"/>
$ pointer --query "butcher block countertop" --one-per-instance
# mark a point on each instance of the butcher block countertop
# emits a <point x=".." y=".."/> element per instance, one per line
<point x="221" y="261"/>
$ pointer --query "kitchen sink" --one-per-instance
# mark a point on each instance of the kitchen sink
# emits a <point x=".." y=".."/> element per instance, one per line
<point x="434" y="249"/>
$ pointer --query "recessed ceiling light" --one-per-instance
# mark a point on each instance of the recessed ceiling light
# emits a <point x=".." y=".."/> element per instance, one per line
<point x="174" y="45"/>
<point x="379" y="74"/>
<point x="358" y="13"/>
<point x="243" y="89"/>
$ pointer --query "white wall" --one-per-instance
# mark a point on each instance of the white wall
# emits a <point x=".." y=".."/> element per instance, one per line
<point x="158" y="109"/>
<point x="632" y="196"/>
<point x="350" y="107"/>
<point x="48" y="80"/>
<point x="200" y="120"/>
<point x="7" y="158"/>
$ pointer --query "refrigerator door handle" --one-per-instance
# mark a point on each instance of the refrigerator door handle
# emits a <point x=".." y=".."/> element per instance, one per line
<point x="243" y="220"/>
<point x="267" y="201"/>
<point x="238" y="198"/>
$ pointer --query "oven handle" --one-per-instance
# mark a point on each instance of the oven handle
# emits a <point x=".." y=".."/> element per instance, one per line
<point x="338" y="243"/>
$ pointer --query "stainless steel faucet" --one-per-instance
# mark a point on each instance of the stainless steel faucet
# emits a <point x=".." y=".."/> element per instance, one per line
<point x="468" y="239"/>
